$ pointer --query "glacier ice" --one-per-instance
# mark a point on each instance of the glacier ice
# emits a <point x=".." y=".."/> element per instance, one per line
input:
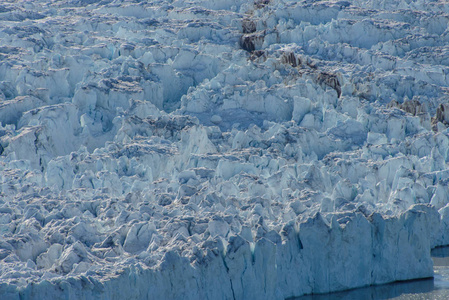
<point x="220" y="149"/>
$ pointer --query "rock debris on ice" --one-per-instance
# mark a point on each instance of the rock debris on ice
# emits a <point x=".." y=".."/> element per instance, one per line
<point x="220" y="149"/>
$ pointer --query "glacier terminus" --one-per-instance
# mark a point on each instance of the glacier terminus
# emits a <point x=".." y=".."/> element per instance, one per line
<point x="220" y="149"/>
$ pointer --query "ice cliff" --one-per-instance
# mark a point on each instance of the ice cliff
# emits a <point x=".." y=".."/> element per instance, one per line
<point x="220" y="149"/>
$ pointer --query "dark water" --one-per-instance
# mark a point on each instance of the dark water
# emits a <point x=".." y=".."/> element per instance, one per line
<point x="426" y="289"/>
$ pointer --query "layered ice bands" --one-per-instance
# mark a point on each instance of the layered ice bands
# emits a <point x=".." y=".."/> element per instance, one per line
<point x="220" y="149"/>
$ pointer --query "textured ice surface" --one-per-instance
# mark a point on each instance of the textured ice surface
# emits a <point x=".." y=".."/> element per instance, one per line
<point x="220" y="149"/>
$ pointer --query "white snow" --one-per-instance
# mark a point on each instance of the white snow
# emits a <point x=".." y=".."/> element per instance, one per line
<point x="220" y="149"/>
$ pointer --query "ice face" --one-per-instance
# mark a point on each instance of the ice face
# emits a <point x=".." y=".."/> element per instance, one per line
<point x="220" y="149"/>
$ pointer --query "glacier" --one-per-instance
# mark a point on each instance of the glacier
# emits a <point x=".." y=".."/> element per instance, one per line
<point x="229" y="149"/>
